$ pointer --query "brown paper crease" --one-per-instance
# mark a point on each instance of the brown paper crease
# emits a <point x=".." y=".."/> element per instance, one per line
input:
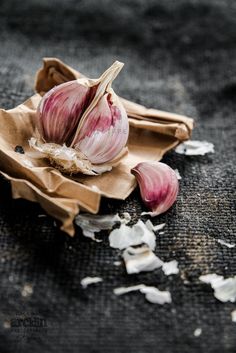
<point x="152" y="133"/>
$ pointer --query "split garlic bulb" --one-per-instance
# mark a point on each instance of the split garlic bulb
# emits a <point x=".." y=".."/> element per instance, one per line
<point x="83" y="124"/>
<point x="158" y="185"/>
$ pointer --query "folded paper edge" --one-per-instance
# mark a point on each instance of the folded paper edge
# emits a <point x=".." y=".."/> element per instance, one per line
<point x="33" y="194"/>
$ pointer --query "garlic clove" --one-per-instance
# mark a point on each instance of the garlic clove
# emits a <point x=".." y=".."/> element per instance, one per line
<point x="158" y="184"/>
<point x="60" y="110"/>
<point x="104" y="128"/>
<point x="104" y="133"/>
<point x="102" y="86"/>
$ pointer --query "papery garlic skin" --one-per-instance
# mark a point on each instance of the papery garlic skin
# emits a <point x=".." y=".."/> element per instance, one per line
<point x="158" y="184"/>
<point x="60" y="110"/>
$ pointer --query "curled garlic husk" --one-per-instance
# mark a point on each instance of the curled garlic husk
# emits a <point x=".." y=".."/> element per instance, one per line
<point x="83" y="125"/>
<point x="158" y="185"/>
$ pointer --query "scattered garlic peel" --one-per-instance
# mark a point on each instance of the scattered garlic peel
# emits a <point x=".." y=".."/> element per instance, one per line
<point x="224" y="289"/>
<point x="117" y="263"/>
<point x="222" y="242"/>
<point x="177" y="174"/>
<point x="170" y="268"/>
<point x="152" y="294"/>
<point x="125" y="290"/>
<point x="233" y="316"/>
<point x="126" y="236"/>
<point x="91" y="224"/>
<point x="85" y="282"/>
<point x="195" y="148"/>
<point x="155" y="296"/>
<point x="27" y="290"/>
<point x="126" y="218"/>
<point x="140" y="259"/>
<point x="156" y="227"/>
<point x="197" y="332"/>
<point x="149" y="213"/>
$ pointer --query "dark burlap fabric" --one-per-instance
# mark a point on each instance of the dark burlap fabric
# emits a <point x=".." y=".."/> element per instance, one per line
<point x="180" y="56"/>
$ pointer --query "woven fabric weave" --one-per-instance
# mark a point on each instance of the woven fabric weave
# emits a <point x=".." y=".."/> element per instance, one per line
<point x="180" y="57"/>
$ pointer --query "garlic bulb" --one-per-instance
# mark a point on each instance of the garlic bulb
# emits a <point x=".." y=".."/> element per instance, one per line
<point x="83" y="125"/>
<point x="158" y="184"/>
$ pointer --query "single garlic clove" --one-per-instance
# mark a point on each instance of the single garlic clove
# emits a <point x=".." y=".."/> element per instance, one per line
<point x="158" y="184"/>
<point x="60" y="110"/>
<point x="105" y="131"/>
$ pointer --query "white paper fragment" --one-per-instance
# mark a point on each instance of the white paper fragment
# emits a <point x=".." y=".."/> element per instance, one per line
<point x="222" y="242"/>
<point x="233" y="315"/>
<point x="195" y="148"/>
<point x="224" y="289"/>
<point x="140" y="259"/>
<point x="170" y="268"/>
<point x="177" y="174"/>
<point x="197" y="332"/>
<point x="125" y="236"/>
<point x="85" y="282"/>
<point x="152" y="294"/>
<point x="91" y="224"/>
<point x="155" y="296"/>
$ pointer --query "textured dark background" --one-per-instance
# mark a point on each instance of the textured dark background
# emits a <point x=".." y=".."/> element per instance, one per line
<point x="179" y="56"/>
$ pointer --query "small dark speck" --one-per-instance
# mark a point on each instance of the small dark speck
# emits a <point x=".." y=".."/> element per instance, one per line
<point x="19" y="149"/>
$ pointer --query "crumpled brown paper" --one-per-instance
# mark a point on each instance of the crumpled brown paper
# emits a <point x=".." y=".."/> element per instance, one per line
<point x="152" y="133"/>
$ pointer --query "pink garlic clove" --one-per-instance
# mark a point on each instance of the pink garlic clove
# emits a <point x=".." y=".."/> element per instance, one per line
<point x="158" y="184"/>
<point x="60" y="110"/>
<point x="104" y="133"/>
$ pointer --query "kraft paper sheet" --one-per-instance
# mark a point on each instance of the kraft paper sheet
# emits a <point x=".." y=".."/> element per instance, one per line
<point x="152" y="134"/>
